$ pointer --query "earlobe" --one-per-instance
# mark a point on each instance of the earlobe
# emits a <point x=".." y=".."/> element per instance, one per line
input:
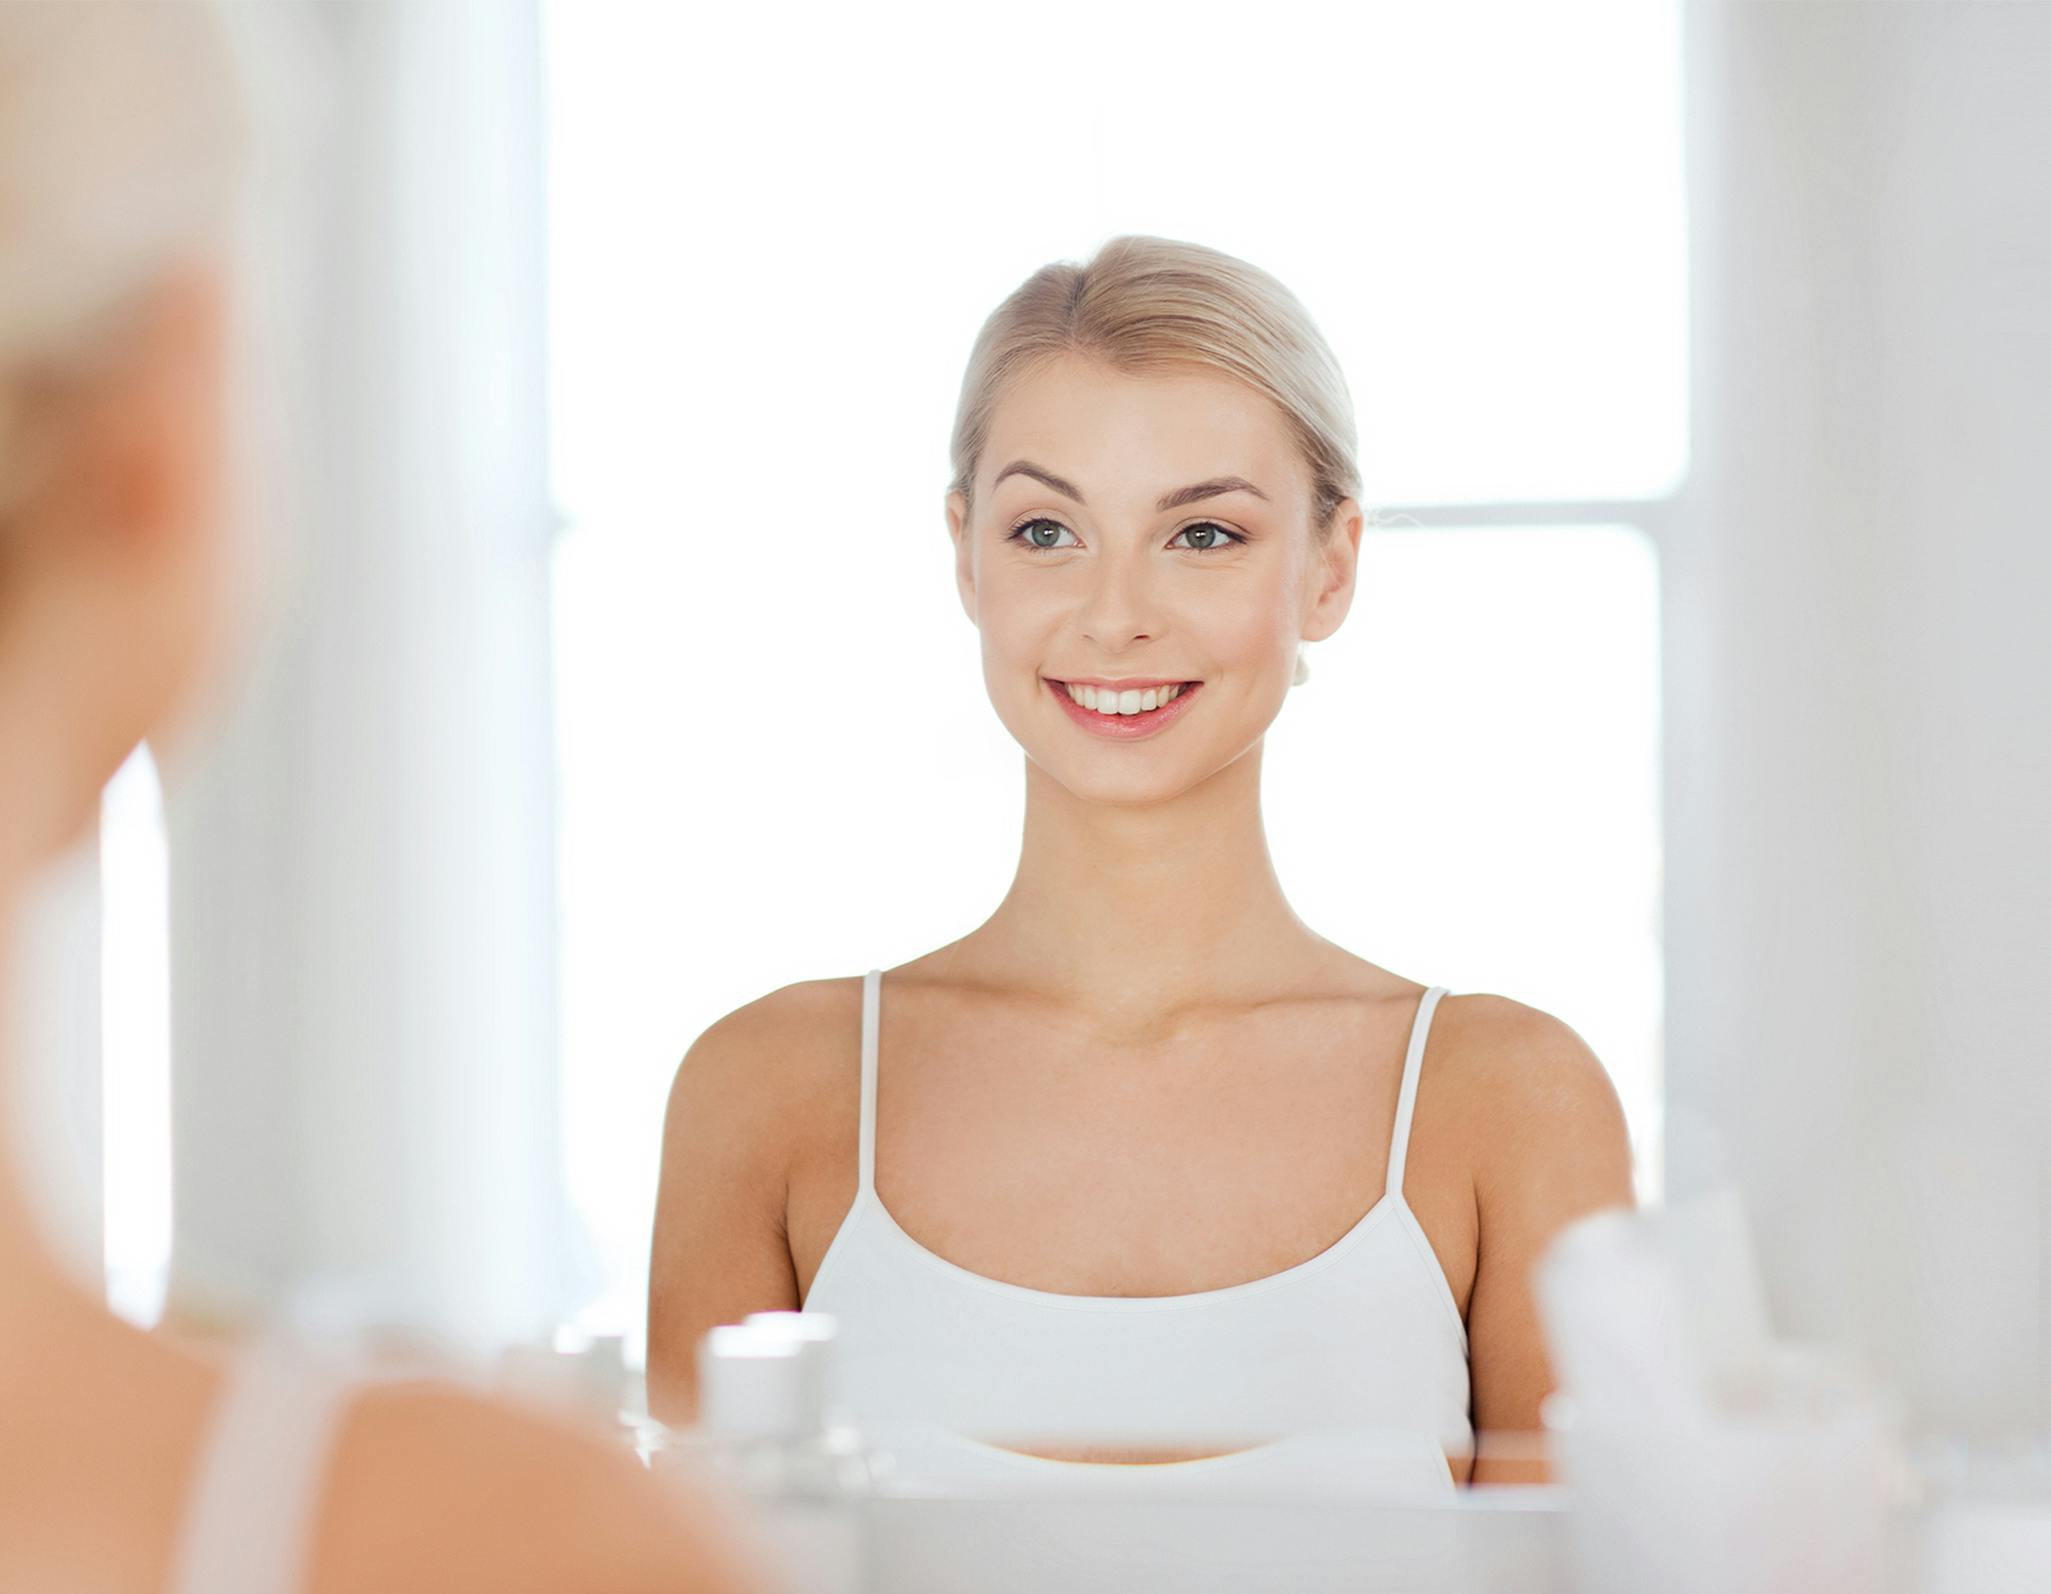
<point x="142" y="482"/>
<point x="147" y="435"/>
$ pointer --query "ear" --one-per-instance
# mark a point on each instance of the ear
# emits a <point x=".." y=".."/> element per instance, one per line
<point x="150" y="441"/>
<point x="1334" y="573"/>
<point x="964" y="553"/>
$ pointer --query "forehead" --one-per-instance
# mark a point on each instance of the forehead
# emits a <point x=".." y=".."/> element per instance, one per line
<point x="1133" y="435"/>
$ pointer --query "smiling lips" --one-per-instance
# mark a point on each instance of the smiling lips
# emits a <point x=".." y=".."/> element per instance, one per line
<point x="1133" y="700"/>
<point x="1127" y="715"/>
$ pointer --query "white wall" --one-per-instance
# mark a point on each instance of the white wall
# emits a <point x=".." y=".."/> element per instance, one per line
<point x="363" y="987"/>
<point x="1859" y="777"/>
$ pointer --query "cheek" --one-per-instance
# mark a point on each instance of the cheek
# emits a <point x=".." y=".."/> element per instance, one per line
<point x="1243" y="628"/>
<point x="1019" y="620"/>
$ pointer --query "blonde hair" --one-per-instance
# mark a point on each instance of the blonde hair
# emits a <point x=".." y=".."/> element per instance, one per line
<point x="119" y="152"/>
<point x="1144" y="305"/>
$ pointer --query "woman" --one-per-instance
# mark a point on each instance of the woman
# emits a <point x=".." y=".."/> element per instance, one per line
<point x="128" y="1463"/>
<point x="1143" y="1131"/>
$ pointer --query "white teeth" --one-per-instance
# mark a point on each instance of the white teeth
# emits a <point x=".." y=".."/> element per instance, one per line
<point x="1135" y="702"/>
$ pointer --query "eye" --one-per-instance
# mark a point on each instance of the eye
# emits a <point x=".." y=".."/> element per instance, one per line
<point x="1027" y="533"/>
<point x="1214" y="531"/>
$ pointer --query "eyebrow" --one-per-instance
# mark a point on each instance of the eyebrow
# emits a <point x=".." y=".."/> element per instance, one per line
<point x="1216" y="487"/>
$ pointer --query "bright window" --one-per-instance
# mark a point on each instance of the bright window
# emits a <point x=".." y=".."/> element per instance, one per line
<point x="135" y="1035"/>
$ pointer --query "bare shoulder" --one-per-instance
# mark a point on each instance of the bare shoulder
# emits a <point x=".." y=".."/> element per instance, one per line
<point x="1532" y="1092"/>
<point x="756" y="1097"/>
<point x="433" y="1487"/>
<point x="770" y="1057"/>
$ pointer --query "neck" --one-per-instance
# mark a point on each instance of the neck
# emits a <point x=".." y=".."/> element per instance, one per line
<point x="35" y="1289"/>
<point x="47" y="798"/>
<point x="48" y="801"/>
<point x="1135" y="913"/>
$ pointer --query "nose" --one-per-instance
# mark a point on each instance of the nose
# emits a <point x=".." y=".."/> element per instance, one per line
<point x="1118" y="609"/>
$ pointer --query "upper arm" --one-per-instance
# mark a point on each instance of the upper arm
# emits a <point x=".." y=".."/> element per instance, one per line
<point x="1553" y="1147"/>
<point x="719" y="1250"/>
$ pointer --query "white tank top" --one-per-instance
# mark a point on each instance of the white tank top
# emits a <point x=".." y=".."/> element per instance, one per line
<point x="1364" y="1337"/>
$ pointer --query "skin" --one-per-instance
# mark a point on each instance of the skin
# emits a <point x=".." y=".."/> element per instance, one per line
<point x="1041" y="1105"/>
<point x="116" y="600"/>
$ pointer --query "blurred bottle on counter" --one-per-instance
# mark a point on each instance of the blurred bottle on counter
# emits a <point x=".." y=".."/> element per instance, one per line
<point x="1701" y="1455"/>
<point x="769" y="1431"/>
<point x="586" y="1373"/>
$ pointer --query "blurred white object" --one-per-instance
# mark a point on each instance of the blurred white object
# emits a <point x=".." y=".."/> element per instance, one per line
<point x="1615" y="1317"/>
<point x="1718" y="1274"/>
<point x="590" y="1376"/>
<point x="1986" y="1547"/>
<point x="764" y="1433"/>
<point x="1650" y="1308"/>
<point x="1760" y="1504"/>
<point x="1987" y="1528"/>
<point x="751" y="1385"/>
<point x="811" y="1335"/>
<point x="1700" y="1456"/>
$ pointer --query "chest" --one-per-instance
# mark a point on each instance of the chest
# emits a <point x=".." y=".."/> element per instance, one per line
<point x="1023" y="1154"/>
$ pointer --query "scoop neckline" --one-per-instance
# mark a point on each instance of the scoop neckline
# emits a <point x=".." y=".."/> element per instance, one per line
<point x="1388" y="1200"/>
<point x="1139" y="1473"/>
<point x="1056" y="1465"/>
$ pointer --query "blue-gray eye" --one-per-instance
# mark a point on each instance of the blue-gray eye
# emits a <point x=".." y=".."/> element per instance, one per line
<point x="1030" y="530"/>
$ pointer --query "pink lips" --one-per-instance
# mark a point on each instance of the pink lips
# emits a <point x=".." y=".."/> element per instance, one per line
<point x="1125" y="727"/>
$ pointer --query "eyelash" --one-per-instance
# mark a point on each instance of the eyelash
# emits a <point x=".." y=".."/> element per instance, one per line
<point x="1017" y="534"/>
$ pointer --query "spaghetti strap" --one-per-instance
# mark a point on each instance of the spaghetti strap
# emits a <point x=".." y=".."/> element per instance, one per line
<point x="255" y="1495"/>
<point x="871" y="988"/>
<point x="1406" y="1098"/>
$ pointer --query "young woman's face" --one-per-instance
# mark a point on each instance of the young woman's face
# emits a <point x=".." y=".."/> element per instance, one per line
<point x="1080" y="564"/>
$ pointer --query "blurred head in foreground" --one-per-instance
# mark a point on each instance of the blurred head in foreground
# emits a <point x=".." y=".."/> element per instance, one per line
<point x="120" y="170"/>
<point x="120" y="149"/>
